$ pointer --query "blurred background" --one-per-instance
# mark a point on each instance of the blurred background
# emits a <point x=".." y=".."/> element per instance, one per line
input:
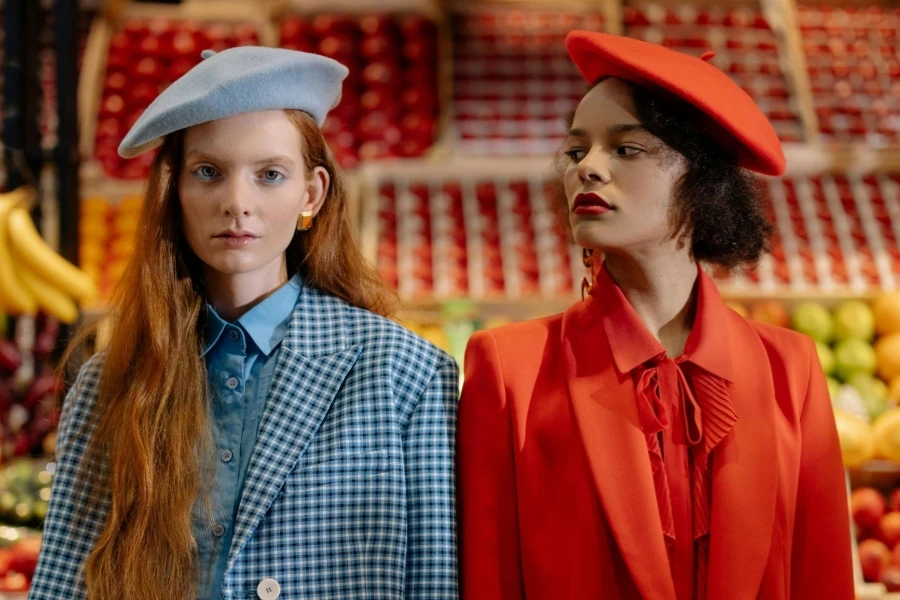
<point x="448" y="126"/>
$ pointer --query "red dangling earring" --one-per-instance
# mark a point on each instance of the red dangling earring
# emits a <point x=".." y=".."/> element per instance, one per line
<point x="587" y="259"/>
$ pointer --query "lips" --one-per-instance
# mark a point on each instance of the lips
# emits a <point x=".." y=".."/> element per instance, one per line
<point x="235" y="239"/>
<point x="590" y="204"/>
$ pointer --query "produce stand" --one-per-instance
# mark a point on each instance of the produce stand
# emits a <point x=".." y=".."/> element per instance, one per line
<point x="448" y="130"/>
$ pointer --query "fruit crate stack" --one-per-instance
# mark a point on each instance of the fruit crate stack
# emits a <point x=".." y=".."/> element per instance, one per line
<point x="106" y="233"/>
<point x="467" y="231"/>
<point x="136" y="53"/>
<point x="854" y="71"/>
<point x="393" y="97"/>
<point x="745" y="45"/>
<point x="514" y="84"/>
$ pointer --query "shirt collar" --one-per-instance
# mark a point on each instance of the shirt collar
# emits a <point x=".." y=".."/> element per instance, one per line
<point x="632" y="344"/>
<point x="266" y="323"/>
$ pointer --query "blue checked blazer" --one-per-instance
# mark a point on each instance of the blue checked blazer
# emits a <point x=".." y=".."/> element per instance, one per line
<point x="350" y="490"/>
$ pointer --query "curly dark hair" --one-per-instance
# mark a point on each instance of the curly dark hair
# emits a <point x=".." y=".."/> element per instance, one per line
<point x="718" y="207"/>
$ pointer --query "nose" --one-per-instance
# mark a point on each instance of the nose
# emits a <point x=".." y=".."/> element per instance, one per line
<point x="238" y="200"/>
<point x="594" y="167"/>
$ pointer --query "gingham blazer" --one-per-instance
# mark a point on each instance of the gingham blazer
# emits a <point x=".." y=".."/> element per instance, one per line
<point x="350" y="490"/>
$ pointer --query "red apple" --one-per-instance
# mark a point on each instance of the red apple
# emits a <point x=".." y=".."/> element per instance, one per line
<point x="418" y="98"/>
<point x="246" y="32"/>
<point x="185" y="44"/>
<point x="874" y="557"/>
<point x="179" y="68"/>
<point x="109" y="128"/>
<point x="372" y="125"/>
<point x="416" y="26"/>
<point x="378" y="46"/>
<point x="337" y="44"/>
<point x="382" y="73"/>
<point x="116" y="82"/>
<point x="150" y="46"/>
<point x="867" y="506"/>
<point x="14" y="582"/>
<point x="25" y="556"/>
<point x="375" y="24"/>
<point x="119" y="43"/>
<point x="889" y="529"/>
<point x="418" y="125"/>
<point x="325" y="24"/>
<point x="419" y="51"/>
<point x="149" y="68"/>
<point x="113" y="106"/>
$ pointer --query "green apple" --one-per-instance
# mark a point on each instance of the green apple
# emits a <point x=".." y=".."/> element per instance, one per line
<point x="814" y="320"/>
<point x="853" y="356"/>
<point x="854" y="320"/>
<point x="873" y="391"/>
<point x="826" y="357"/>
<point x="834" y="387"/>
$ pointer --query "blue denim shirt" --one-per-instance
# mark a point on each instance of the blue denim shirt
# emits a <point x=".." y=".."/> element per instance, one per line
<point x="240" y="361"/>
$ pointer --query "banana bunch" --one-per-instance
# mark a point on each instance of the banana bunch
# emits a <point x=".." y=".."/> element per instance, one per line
<point x="32" y="276"/>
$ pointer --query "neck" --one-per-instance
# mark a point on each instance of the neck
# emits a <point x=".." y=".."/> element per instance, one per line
<point x="232" y="295"/>
<point x="661" y="289"/>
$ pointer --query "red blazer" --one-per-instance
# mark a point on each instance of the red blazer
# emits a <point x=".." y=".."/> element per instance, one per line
<point x="556" y="496"/>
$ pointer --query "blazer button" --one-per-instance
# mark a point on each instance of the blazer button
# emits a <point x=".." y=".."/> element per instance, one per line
<point x="218" y="530"/>
<point x="232" y="383"/>
<point x="268" y="589"/>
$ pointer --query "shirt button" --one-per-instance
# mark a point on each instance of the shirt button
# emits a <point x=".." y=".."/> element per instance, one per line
<point x="227" y="455"/>
<point x="218" y="530"/>
<point x="234" y="335"/>
<point x="232" y="382"/>
<point x="268" y="589"/>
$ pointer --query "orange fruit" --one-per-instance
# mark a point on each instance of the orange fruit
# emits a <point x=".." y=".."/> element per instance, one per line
<point x="887" y="313"/>
<point x="887" y="353"/>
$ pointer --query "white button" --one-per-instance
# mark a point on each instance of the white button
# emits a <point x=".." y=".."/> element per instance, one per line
<point x="268" y="589"/>
<point x="218" y="530"/>
<point x="232" y="382"/>
<point x="234" y="335"/>
<point x="227" y="455"/>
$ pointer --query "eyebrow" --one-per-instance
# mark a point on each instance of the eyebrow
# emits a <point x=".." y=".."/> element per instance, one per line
<point x="200" y="155"/>
<point x="611" y="131"/>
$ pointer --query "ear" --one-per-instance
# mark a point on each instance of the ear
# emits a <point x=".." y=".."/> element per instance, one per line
<point x="316" y="190"/>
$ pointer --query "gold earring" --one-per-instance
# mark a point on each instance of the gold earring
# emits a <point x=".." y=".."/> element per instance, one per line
<point x="587" y="259"/>
<point x="304" y="221"/>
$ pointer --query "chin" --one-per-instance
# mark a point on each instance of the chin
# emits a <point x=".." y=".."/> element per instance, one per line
<point x="234" y="265"/>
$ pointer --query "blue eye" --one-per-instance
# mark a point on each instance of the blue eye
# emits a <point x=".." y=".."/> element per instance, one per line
<point x="204" y="172"/>
<point x="272" y="176"/>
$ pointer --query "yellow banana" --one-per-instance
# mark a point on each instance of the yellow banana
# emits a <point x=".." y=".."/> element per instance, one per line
<point x="50" y="299"/>
<point x="31" y="249"/>
<point x="13" y="295"/>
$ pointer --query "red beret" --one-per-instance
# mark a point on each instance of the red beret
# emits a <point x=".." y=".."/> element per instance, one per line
<point x="736" y="122"/>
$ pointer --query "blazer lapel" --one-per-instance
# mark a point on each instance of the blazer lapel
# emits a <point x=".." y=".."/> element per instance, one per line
<point x="312" y="364"/>
<point x="606" y="412"/>
<point x="744" y="475"/>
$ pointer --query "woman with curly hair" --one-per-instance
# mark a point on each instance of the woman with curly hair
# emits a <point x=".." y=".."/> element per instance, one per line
<point x="650" y="442"/>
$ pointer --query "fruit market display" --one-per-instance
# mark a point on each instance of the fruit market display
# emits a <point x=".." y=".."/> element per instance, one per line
<point x="19" y="549"/>
<point x="35" y="277"/>
<point x="513" y="83"/>
<point x="106" y="239"/>
<point x="744" y="44"/>
<point x="876" y="517"/>
<point x="390" y="99"/>
<point x="29" y="389"/>
<point x="472" y="238"/>
<point x="854" y="71"/>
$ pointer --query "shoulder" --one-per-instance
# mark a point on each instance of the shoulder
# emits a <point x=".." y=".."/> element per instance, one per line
<point x="780" y="342"/>
<point x="80" y="402"/>
<point x="519" y="340"/>
<point x="410" y="361"/>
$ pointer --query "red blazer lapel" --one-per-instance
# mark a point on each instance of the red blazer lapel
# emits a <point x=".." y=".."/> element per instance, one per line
<point x="744" y="474"/>
<point x="606" y="413"/>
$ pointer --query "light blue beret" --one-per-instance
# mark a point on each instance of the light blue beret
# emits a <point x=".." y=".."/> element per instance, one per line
<point x="235" y="81"/>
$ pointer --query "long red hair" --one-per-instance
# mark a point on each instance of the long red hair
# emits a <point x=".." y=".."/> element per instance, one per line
<point x="153" y="434"/>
